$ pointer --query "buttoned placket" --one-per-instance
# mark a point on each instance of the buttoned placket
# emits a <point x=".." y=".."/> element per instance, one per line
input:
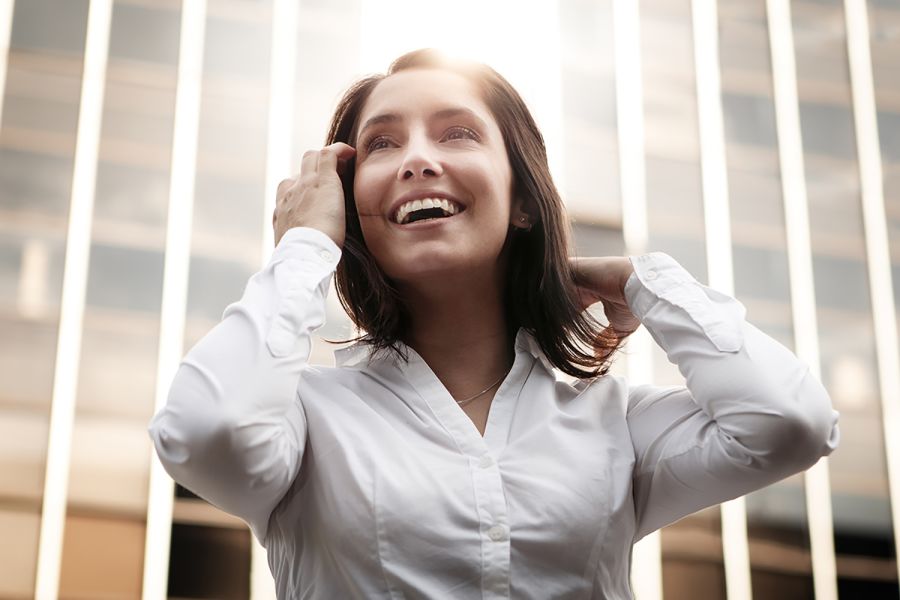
<point x="482" y="453"/>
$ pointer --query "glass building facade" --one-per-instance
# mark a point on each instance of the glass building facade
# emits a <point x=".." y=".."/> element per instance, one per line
<point x="756" y="141"/>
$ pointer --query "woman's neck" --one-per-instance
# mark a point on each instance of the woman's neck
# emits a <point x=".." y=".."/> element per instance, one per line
<point x="459" y="328"/>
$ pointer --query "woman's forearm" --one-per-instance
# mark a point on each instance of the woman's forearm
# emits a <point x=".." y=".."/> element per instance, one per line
<point x="751" y="413"/>
<point x="232" y="430"/>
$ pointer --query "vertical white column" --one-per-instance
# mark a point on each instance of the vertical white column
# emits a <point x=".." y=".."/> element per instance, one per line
<point x="71" y="318"/>
<point x="803" y="301"/>
<point x="877" y="249"/>
<point x="6" y="17"/>
<point x="175" y="281"/>
<point x="717" y="221"/>
<point x="646" y="570"/>
<point x="630" y="123"/>
<point x="282" y="64"/>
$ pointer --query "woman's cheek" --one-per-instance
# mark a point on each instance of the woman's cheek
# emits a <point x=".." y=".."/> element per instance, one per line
<point x="367" y="189"/>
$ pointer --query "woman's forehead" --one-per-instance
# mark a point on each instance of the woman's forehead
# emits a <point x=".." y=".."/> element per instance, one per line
<point x="414" y="91"/>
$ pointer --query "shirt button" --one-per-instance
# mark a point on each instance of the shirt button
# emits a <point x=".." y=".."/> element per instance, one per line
<point x="485" y="461"/>
<point x="325" y="255"/>
<point x="497" y="533"/>
<point x="651" y="275"/>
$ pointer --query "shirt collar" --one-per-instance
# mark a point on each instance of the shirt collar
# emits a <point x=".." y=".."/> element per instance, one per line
<point x="355" y="354"/>
<point x="526" y="343"/>
<point x="352" y="355"/>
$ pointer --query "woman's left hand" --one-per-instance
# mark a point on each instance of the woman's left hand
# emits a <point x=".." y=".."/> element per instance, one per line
<point x="602" y="279"/>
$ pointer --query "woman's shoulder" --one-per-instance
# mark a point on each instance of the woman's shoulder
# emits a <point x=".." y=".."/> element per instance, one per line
<point x="601" y="384"/>
<point x="356" y="370"/>
<point x="609" y="392"/>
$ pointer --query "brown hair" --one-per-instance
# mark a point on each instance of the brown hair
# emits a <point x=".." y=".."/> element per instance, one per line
<point x="540" y="295"/>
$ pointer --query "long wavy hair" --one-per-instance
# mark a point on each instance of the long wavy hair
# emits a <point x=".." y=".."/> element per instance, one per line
<point x="540" y="294"/>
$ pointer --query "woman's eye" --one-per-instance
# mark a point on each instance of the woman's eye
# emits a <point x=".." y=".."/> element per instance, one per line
<point x="460" y="133"/>
<point x="376" y="143"/>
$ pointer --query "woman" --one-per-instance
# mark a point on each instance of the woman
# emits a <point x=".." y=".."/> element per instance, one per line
<point x="441" y="458"/>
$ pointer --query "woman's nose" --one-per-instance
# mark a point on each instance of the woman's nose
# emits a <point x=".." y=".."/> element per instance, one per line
<point x="420" y="160"/>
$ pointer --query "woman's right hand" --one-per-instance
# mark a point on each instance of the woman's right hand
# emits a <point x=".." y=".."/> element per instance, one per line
<point x="315" y="198"/>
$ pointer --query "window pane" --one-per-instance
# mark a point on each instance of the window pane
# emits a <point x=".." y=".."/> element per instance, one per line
<point x="18" y="553"/>
<point x="145" y="33"/>
<point x="589" y="107"/>
<point x="47" y="25"/>
<point x="209" y="562"/>
<point x="102" y="558"/>
<point x="110" y="466"/>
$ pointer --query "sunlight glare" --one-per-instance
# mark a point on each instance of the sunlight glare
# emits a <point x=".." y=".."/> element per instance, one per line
<point x="520" y="39"/>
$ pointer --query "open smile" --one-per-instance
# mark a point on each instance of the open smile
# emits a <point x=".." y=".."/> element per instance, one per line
<point x="426" y="209"/>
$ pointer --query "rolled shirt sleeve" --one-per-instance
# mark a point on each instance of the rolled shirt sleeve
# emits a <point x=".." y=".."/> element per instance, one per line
<point x="232" y="430"/>
<point x="750" y="414"/>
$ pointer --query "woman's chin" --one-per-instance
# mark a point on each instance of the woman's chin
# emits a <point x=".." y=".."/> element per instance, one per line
<point x="424" y="270"/>
<point x="423" y="261"/>
<point x="429" y="267"/>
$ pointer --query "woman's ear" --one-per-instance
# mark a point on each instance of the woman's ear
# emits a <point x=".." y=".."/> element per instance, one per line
<point x="519" y="217"/>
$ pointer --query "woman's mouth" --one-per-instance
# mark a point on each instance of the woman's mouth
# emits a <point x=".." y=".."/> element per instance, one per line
<point x="426" y="209"/>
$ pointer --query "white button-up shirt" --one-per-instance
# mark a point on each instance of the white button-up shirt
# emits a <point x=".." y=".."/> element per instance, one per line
<point x="367" y="480"/>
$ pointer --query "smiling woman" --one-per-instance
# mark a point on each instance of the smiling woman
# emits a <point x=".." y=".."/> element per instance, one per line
<point x="438" y="128"/>
<point x="442" y="457"/>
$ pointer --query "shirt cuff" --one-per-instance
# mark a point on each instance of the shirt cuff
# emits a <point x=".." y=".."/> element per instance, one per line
<point x="308" y="244"/>
<point x="302" y="264"/>
<point x="658" y="277"/>
<point x="654" y="274"/>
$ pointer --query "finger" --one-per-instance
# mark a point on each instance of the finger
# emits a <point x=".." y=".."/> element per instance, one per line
<point x="327" y="162"/>
<point x="345" y="155"/>
<point x="344" y="151"/>
<point x="575" y="263"/>
<point x="284" y="186"/>
<point x="344" y="164"/>
<point x="333" y="158"/>
<point x="309" y="163"/>
<point x="585" y="297"/>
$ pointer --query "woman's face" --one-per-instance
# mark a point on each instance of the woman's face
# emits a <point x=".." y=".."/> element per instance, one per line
<point x="433" y="181"/>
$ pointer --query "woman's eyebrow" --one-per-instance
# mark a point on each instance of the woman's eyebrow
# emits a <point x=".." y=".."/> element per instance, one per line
<point x="377" y="120"/>
<point x="453" y="112"/>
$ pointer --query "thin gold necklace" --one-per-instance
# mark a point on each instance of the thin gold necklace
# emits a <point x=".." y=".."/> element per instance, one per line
<point x="481" y="393"/>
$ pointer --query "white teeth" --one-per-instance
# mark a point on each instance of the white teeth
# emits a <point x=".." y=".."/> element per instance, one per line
<point x="448" y="206"/>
